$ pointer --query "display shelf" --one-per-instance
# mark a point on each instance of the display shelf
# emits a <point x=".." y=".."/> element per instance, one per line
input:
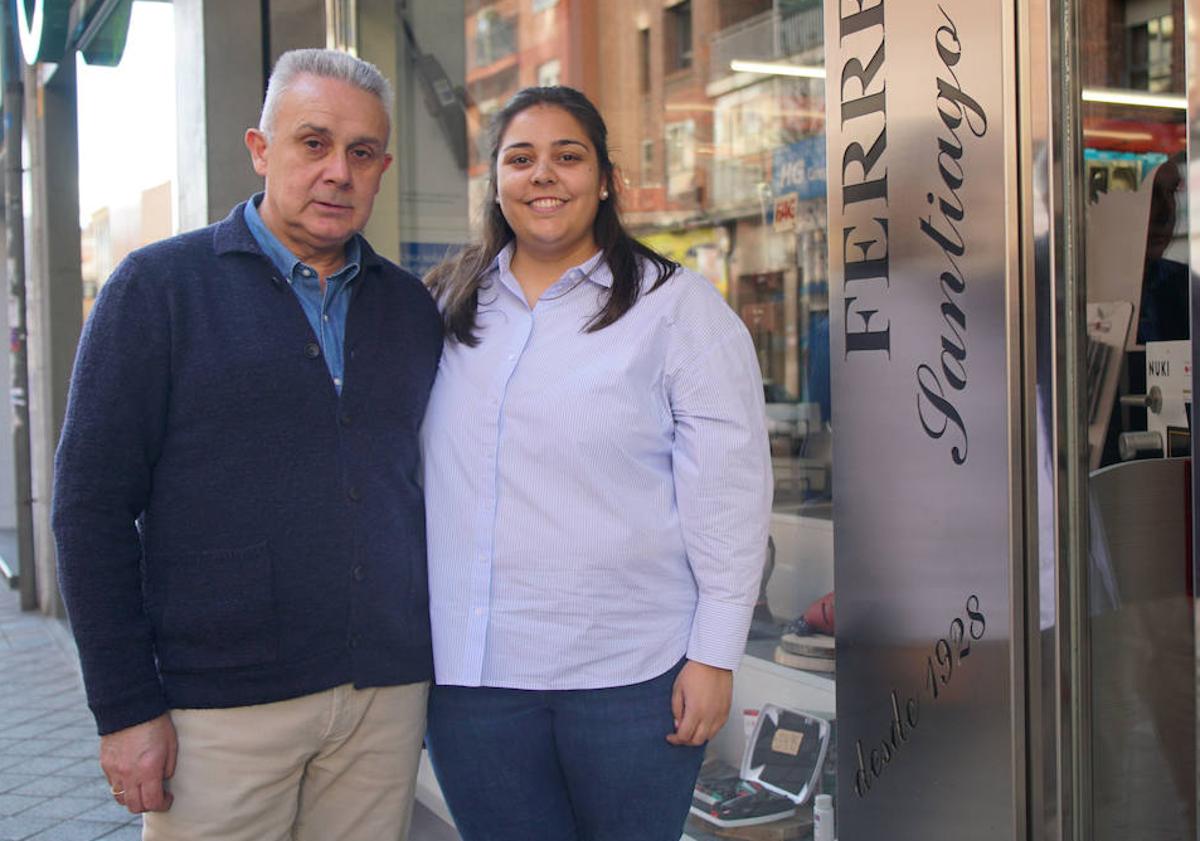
<point x="760" y="680"/>
<point x="695" y="831"/>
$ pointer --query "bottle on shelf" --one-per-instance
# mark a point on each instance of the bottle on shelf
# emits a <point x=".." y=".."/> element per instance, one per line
<point x="823" y="818"/>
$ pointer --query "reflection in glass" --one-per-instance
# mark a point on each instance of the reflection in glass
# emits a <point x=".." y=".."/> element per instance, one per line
<point x="1142" y="745"/>
<point x="724" y="172"/>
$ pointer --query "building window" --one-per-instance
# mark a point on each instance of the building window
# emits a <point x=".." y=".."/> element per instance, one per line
<point x="1150" y="54"/>
<point x="679" y="35"/>
<point x="549" y="73"/>
<point x="681" y="146"/>
<point x="543" y="5"/>
<point x="681" y="158"/>
<point x="495" y="37"/>
<point x="644" y="59"/>
<point x="648" y="162"/>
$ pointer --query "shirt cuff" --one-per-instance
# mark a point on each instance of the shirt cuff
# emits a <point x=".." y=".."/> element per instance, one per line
<point x="719" y="632"/>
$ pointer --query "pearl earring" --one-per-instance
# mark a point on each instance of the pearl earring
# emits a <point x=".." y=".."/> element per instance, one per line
<point x="603" y="195"/>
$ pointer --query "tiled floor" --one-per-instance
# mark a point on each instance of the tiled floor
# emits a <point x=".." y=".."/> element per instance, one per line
<point x="51" y="788"/>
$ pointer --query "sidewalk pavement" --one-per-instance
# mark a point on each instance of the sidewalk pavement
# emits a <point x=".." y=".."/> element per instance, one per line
<point x="51" y="786"/>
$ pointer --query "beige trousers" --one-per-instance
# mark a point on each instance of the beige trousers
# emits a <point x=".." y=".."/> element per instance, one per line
<point x="340" y="765"/>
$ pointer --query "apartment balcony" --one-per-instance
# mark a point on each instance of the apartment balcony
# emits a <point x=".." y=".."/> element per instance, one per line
<point x="493" y="45"/>
<point x="771" y="36"/>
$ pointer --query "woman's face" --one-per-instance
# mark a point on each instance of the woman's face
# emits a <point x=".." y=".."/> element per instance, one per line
<point x="548" y="184"/>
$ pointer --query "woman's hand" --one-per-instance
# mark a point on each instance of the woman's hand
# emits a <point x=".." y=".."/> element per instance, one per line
<point x="700" y="703"/>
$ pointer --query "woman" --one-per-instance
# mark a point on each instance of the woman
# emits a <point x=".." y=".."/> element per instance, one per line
<point x="598" y="487"/>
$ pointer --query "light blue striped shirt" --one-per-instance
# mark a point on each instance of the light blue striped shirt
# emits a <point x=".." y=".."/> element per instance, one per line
<point x="597" y="503"/>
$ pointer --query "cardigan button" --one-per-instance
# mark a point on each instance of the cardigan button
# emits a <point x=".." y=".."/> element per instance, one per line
<point x="359" y="572"/>
<point x="354" y="494"/>
<point x="312" y="350"/>
<point x="345" y="419"/>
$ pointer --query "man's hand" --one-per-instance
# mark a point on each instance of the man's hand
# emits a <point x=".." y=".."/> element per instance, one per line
<point x="137" y="760"/>
<point x="700" y="703"/>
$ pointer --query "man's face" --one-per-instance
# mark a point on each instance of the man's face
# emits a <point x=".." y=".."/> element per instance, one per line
<point x="322" y="164"/>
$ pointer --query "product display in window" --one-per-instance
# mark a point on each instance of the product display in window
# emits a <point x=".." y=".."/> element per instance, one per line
<point x="807" y="642"/>
<point x="781" y="765"/>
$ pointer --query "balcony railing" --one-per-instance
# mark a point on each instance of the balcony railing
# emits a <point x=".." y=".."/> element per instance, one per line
<point x="769" y="36"/>
<point x="495" y="39"/>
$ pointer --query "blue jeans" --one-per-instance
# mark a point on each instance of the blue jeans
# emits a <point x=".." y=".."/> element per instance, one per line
<point x="568" y="765"/>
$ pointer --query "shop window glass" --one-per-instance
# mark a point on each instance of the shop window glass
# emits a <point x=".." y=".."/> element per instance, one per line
<point x="1140" y="618"/>
<point x="724" y="172"/>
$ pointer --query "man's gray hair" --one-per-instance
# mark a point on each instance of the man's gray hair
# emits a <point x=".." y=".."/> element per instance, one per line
<point x="325" y="64"/>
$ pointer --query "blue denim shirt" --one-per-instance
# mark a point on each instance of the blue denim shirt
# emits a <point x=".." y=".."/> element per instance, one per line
<point x="326" y="311"/>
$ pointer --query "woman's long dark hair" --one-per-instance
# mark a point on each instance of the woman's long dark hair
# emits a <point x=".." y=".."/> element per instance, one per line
<point x="456" y="281"/>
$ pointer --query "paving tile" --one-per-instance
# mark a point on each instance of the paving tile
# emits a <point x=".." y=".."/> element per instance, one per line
<point x="70" y="731"/>
<point x="36" y="746"/>
<point x="88" y="767"/>
<point x="73" y="714"/>
<point x="64" y="807"/>
<point x="83" y="749"/>
<point x="28" y="730"/>
<point x="8" y="781"/>
<point x="20" y="827"/>
<point x="110" y="810"/>
<point x="98" y="788"/>
<point x="45" y="764"/>
<point x="75" y="831"/>
<point x="14" y="716"/>
<point x="14" y="804"/>
<point x="48" y="786"/>
<point x="129" y="832"/>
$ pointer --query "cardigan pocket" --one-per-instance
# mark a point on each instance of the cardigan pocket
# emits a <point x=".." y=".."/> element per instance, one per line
<point x="218" y="610"/>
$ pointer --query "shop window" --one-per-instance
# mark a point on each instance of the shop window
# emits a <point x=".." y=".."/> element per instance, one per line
<point x="679" y="36"/>
<point x="728" y="181"/>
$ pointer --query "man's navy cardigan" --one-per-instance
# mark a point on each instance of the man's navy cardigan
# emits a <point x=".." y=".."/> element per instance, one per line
<point x="231" y="531"/>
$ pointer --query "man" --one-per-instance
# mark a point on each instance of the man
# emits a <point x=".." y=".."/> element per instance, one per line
<point x="239" y="525"/>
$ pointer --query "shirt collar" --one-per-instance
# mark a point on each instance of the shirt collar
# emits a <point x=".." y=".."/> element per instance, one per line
<point x="595" y="268"/>
<point x="283" y="259"/>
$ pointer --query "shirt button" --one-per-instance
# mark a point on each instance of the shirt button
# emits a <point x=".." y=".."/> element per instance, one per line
<point x="326" y="316"/>
<point x="312" y="350"/>
<point x="358" y="572"/>
<point x="479" y="611"/>
<point x="354" y="493"/>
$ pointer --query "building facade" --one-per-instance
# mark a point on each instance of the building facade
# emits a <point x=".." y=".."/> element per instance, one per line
<point x="959" y="235"/>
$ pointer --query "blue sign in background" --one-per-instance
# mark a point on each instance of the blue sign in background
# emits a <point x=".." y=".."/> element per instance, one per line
<point x="420" y="257"/>
<point x="799" y="168"/>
